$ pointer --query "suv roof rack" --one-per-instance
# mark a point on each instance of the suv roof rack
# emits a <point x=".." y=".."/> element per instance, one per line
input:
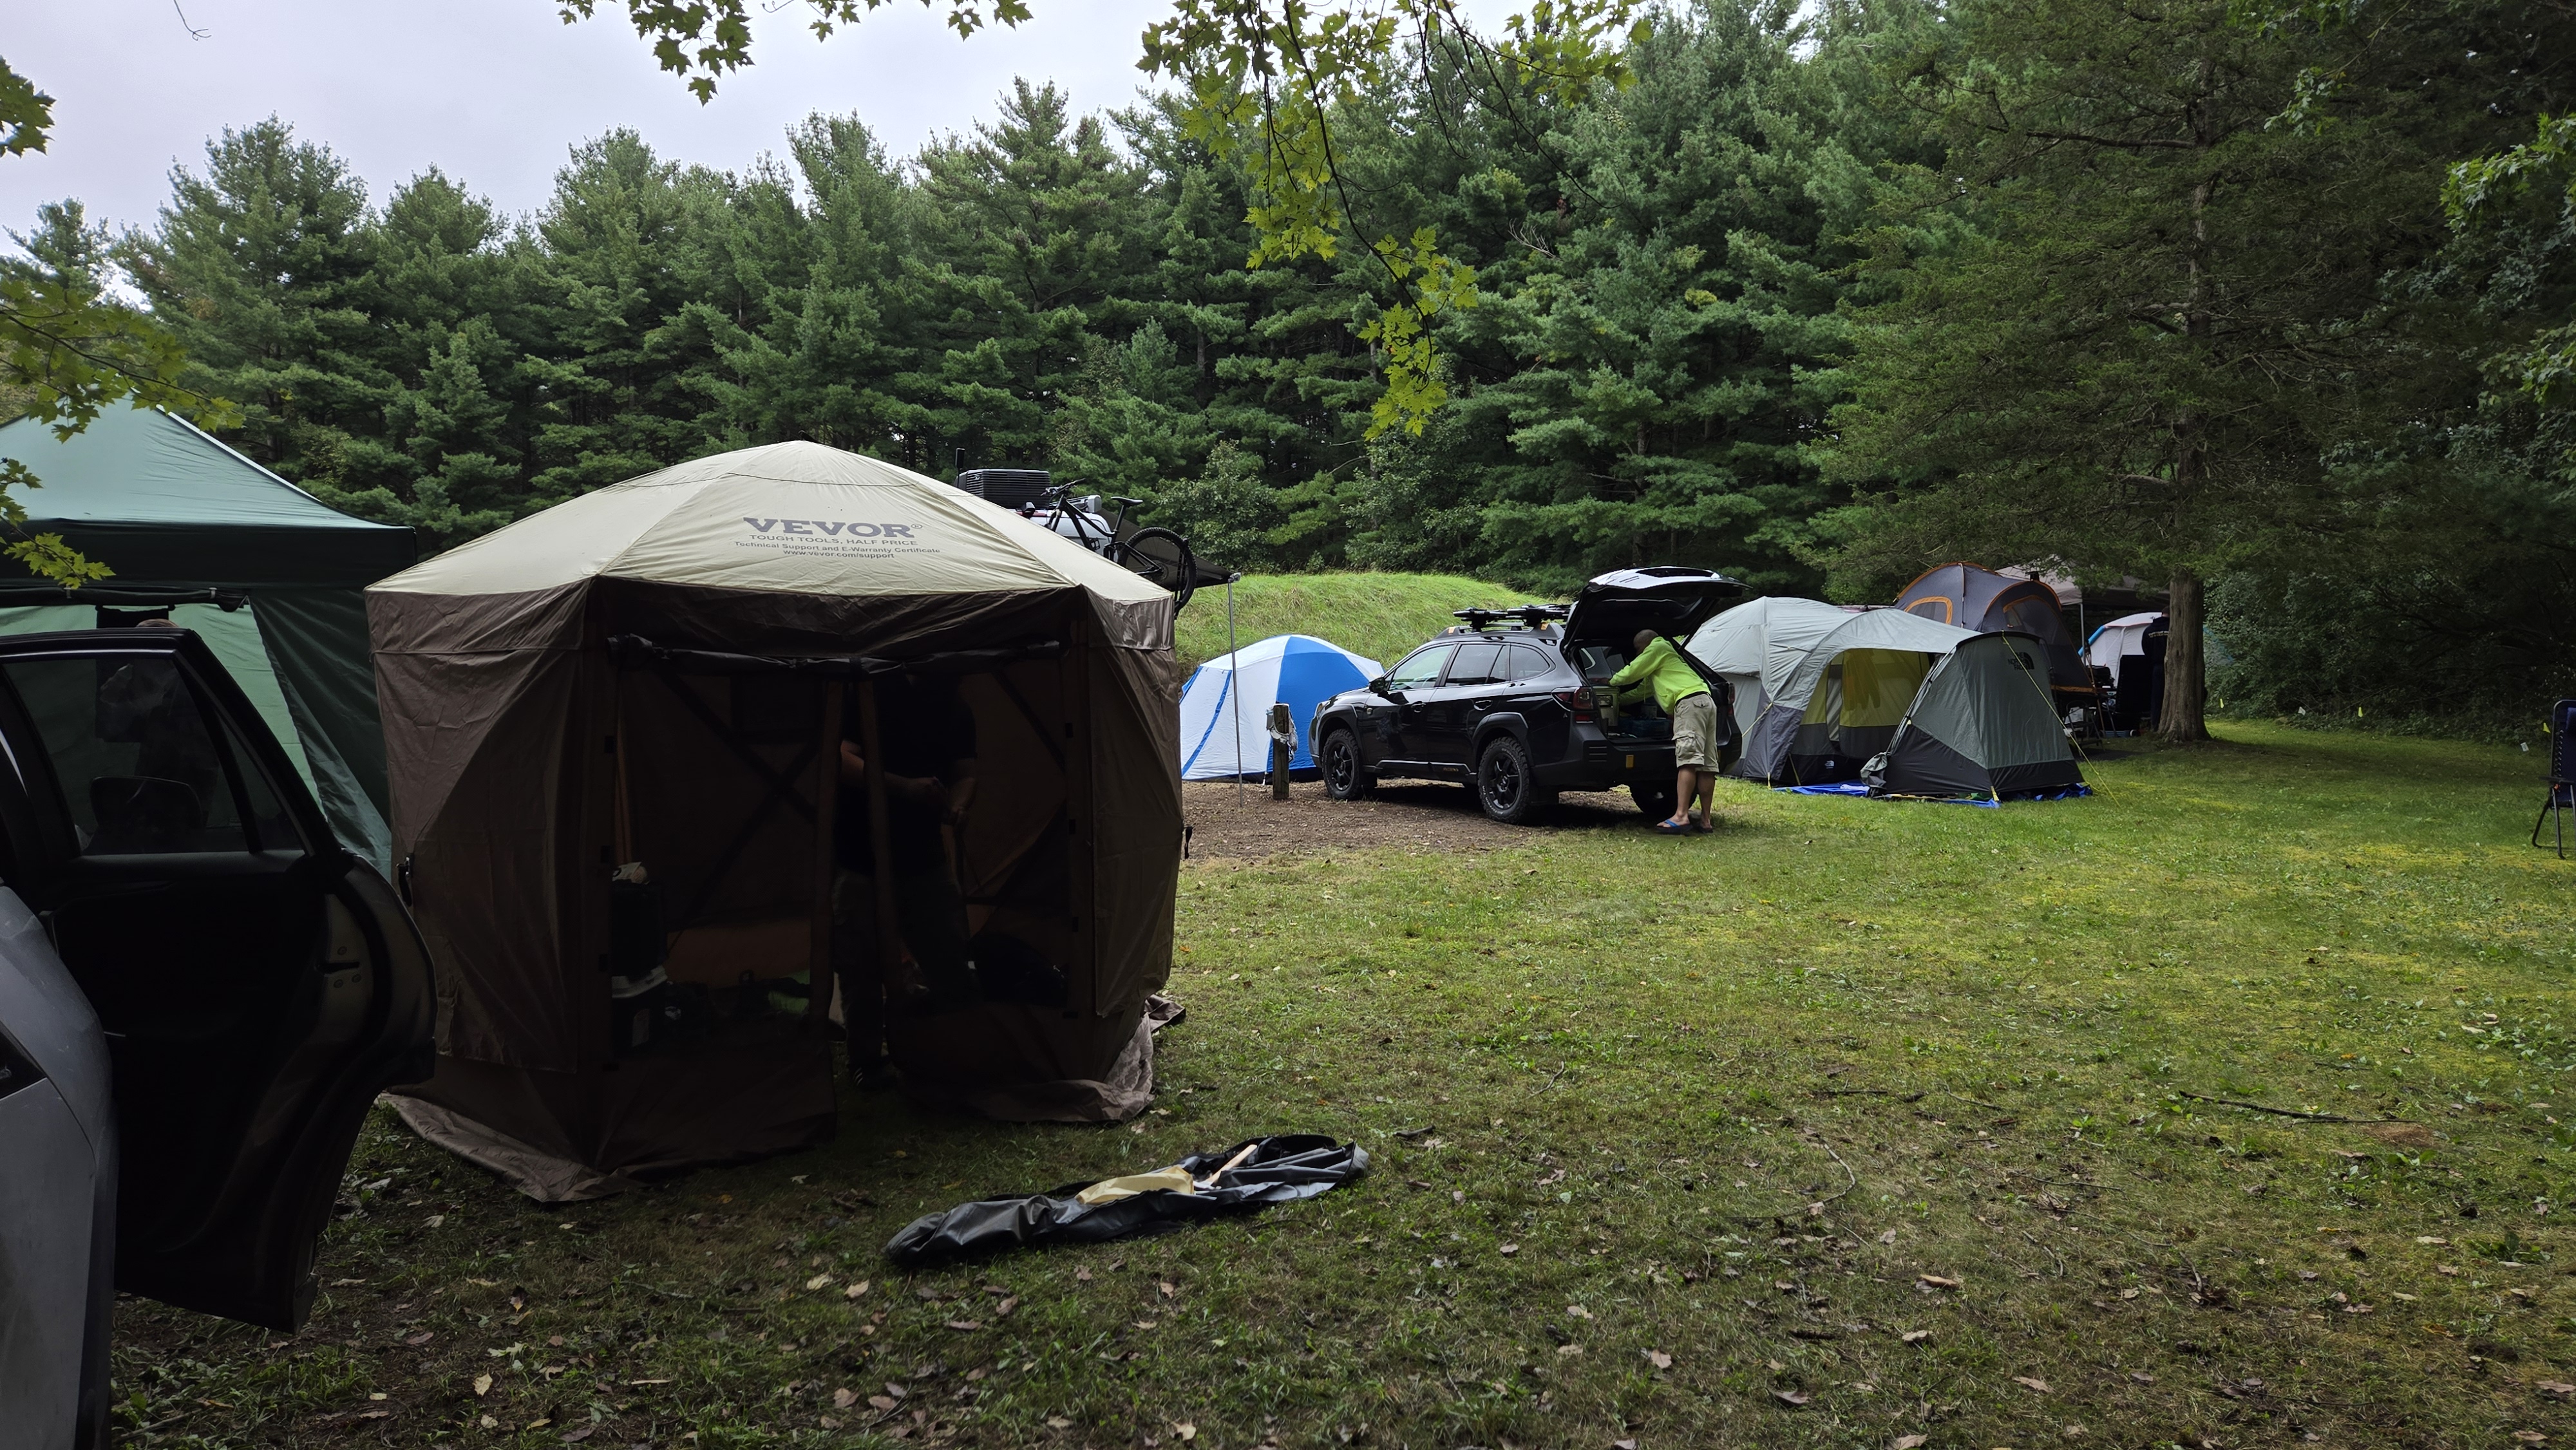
<point x="1529" y="616"/>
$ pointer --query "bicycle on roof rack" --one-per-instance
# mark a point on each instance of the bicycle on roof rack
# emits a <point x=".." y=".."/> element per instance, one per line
<point x="1154" y="554"/>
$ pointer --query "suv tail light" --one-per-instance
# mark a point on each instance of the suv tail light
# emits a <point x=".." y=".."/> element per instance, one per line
<point x="1578" y="701"/>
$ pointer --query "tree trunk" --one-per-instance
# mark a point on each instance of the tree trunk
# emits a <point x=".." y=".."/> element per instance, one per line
<point x="2186" y="680"/>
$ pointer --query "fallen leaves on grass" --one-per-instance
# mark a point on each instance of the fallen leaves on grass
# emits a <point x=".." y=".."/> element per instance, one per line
<point x="2557" y="1389"/>
<point x="2034" y="1384"/>
<point x="1936" y="1281"/>
<point x="1792" y="1398"/>
<point x="1185" y="1430"/>
<point x="482" y="1385"/>
<point x="842" y="1399"/>
<point x="817" y="1282"/>
<point x="1659" y="1359"/>
<point x="855" y="1290"/>
<point x="966" y="1326"/>
<point x="1577" y="1311"/>
<point x="1908" y="1442"/>
<point x="1915" y="1336"/>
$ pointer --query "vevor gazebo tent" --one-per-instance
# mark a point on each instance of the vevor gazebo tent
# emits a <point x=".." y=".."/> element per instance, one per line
<point x="1973" y="597"/>
<point x="655" y="673"/>
<point x="1982" y="725"/>
<point x="267" y="574"/>
<point x="1819" y="689"/>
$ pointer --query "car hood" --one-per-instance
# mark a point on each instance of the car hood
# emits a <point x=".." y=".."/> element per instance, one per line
<point x="1666" y="599"/>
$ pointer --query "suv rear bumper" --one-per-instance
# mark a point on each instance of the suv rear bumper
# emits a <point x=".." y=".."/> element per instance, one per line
<point x="1603" y="764"/>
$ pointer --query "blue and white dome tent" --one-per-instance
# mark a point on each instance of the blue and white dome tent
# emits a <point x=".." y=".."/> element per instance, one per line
<point x="1297" y="670"/>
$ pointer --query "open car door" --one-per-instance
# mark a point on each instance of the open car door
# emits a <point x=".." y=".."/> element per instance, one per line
<point x="257" y="983"/>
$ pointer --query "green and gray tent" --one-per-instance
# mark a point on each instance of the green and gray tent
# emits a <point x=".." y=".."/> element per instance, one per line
<point x="272" y="578"/>
<point x="1983" y="724"/>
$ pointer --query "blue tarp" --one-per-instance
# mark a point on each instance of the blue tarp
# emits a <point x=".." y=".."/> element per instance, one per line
<point x="1853" y="787"/>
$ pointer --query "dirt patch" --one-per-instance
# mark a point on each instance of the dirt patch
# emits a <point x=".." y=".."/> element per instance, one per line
<point x="1414" y="815"/>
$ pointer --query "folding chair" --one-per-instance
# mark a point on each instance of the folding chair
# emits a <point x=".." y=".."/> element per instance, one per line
<point x="2562" y="773"/>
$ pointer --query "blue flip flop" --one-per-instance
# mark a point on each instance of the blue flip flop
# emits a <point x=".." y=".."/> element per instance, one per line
<point x="1670" y="828"/>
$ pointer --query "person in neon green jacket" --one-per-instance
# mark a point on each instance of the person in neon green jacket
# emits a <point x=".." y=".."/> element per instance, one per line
<point x="1658" y="669"/>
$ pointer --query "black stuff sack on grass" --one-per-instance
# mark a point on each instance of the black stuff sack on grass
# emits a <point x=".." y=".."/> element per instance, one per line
<point x="1248" y="1176"/>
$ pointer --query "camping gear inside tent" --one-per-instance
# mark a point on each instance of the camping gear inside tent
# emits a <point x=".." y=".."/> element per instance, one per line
<point x="1819" y="689"/>
<point x="1983" y="724"/>
<point x="268" y="575"/>
<point x="2130" y="652"/>
<point x="1225" y="707"/>
<point x="619" y="734"/>
<point x="1972" y="597"/>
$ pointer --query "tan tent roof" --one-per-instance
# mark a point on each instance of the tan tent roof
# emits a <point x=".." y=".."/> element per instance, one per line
<point x="658" y="672"/>
<point x="797" y="518"/>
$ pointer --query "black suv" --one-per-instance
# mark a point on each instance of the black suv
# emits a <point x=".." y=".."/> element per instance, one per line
<point x="1516" y="702"/>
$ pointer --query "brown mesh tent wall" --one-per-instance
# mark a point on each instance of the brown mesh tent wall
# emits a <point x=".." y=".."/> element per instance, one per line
<point x="658" y="672"/>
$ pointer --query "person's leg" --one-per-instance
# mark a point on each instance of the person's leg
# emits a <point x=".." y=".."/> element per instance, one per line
<point x="1708" y="799"/>
<point x="933" y="913"/>
<point x="855" y="967"/>
<point x="1682" y="788"/>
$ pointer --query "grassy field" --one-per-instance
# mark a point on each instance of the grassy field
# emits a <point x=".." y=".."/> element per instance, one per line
<point x="1855" y="1124"/>
<point x="1377" y="615"/>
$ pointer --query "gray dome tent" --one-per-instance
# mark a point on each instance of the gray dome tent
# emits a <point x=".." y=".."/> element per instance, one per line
<point x="1819" y="689"/>
<point x="1983" y="724"/>
<point x="659" y="672"/>
<point x="1824" y="693"/>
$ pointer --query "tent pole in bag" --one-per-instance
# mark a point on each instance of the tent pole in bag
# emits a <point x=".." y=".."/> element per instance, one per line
<point x="867" y="1015"/>
<point x="1234" y="686"/>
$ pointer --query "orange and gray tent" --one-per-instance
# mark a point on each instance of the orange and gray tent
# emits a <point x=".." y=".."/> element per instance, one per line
<point x="1970" y="596"/>
<point x="657" y="674"/>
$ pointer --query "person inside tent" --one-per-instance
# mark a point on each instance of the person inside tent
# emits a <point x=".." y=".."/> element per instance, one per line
<point x="927" y="734"/>
<point x="1659" y="670"/>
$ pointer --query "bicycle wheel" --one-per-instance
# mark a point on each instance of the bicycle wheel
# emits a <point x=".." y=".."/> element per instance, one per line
<point x="1162" y="556"/>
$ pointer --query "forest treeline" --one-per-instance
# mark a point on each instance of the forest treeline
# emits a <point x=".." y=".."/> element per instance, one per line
<point x="1827" y="294"/>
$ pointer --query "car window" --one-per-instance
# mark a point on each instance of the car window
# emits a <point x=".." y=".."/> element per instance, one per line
<point x="1600" y="661"/>
<point x="1475" y="664"/>
<point x="1420" y="667"/>
<point x="139" y="771"/>
<point x="1524" y="663"/>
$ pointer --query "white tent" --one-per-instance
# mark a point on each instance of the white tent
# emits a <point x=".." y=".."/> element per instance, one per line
<point x="1225" y="707"/>
<point x="2126" y="635"/>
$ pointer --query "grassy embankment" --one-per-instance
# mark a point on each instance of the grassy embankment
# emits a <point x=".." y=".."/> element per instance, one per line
<point x="1377" y="615"/>
<point x="1855" y="1122"/>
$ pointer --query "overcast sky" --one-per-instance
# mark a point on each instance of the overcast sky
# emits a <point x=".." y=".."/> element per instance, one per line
<point x="495" y="91"/>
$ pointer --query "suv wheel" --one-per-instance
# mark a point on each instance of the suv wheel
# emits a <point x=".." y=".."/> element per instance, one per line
<point x="1656" y="801"/>
<point x="1504" y="785"/>
<point x="1344" y="780"/>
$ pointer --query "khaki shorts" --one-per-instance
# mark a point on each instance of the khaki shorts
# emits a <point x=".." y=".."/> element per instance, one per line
<point x="1695" y="731"/>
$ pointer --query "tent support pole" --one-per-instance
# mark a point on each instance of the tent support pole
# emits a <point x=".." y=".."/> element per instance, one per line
<point x="1233" y="695"/>
<point x="867" y="1016"/>
<point x="820" y="980"/>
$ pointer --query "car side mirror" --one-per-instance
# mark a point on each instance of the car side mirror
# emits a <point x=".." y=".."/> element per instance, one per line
<point x="1378" y="687"/>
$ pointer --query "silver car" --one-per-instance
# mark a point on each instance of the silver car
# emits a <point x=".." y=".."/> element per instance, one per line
<point x="200" y="994"/>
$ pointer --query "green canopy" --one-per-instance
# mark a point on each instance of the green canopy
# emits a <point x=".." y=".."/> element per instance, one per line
<point x="271" y="576"/>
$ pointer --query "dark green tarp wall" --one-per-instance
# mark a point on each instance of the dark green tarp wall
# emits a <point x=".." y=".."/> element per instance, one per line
<point x="184" y="520"/>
